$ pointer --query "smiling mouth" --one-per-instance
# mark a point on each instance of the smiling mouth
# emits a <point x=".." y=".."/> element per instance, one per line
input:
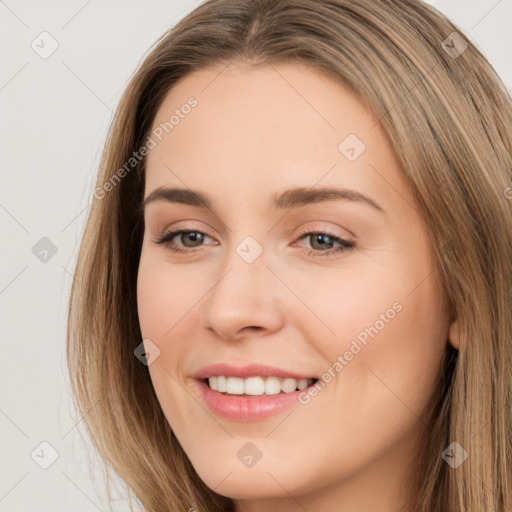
<point x="257" y="385"/>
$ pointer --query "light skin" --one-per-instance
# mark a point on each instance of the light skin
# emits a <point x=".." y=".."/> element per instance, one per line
<point x="256" y="132"/>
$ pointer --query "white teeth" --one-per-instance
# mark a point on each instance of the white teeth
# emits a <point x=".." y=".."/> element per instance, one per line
<point x="256" y="385"/>
<point x="235" y="386"/>
<point x="222" y="384"/>
<point x="302" y="383"/>
<point x="272" y="386"/>
<point x="288" y="385"/>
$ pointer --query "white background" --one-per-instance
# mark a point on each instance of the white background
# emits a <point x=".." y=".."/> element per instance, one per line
<point x="55" y="114"/>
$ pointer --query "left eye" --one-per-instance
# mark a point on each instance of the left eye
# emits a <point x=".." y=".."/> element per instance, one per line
<point x="188" y="236"/>
<point x="321" y="242"/>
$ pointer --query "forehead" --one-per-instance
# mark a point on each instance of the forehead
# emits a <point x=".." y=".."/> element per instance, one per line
<point x="268" y="126"/>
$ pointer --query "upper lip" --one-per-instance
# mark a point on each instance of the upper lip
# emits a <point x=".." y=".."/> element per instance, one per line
<point x="250" y="370"/>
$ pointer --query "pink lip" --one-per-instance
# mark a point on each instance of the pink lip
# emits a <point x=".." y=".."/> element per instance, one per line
<point x="250" y="370"/>
<point x="247" y="408"/>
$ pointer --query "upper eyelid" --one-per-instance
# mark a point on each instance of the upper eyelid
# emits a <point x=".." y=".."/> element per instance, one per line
<point x="171" y="234"/>
<point x="189" y="228"/>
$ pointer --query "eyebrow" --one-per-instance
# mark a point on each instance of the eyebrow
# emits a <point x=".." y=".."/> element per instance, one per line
<point x="293" y="198"/>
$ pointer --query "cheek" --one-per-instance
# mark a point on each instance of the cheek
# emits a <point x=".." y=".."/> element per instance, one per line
<point x="380" y="367"/>
<point x="381" y="334"/>
<point x="168" y="302"/>
<point x="166" y="293"/>
<point x="399" y="349"/>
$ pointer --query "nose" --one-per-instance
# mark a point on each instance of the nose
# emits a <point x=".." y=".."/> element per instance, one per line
<point x="244" y="300"/>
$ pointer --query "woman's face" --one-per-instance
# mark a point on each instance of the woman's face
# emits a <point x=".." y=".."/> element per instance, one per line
<point x="337" y="287"/>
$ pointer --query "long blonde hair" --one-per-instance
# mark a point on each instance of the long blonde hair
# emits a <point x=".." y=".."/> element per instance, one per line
<point x="448" y="116"/>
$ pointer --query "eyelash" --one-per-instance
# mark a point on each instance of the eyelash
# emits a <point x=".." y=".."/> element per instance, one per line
<point x="345" y="245"/>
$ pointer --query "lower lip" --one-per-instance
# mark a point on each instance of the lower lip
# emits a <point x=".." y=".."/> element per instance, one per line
<point x="247" y="408"/>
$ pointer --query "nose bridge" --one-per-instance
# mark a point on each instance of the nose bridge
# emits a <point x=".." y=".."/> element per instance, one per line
<point x="244" y="294"/>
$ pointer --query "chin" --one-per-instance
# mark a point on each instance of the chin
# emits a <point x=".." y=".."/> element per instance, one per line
<point x="270" y="478"/>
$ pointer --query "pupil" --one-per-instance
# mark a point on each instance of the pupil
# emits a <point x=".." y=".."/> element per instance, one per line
<point x="322" y="238"/>
<point x="195" y="236"/>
